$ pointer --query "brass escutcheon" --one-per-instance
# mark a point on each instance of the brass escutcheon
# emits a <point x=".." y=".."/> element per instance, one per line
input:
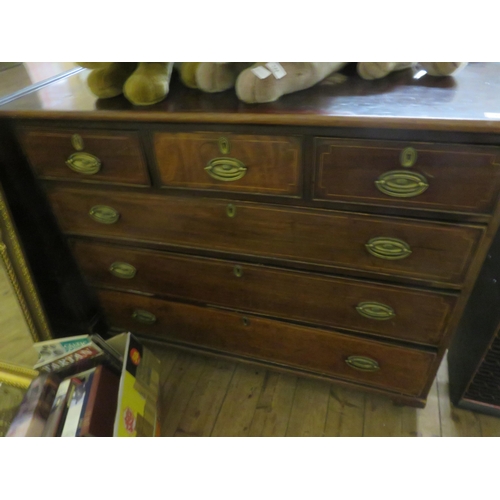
<point x="84" y="163"/>
<point x="144" y="317"/>
<point x="402" y="183"/>
<point x="224" y="145"/>
<point x="238" y="271"/>
<point x="388" y="248"/>
<point x="231" y="210"/>
<point x="123" y="270"/>
<point x="375" y="310"/>
<point x="226" y="169"/>
<point x="104" y="214"/>
<point x="408" y="157"/>
<point x="246" y="322"/>
<point x="363" y="363"/>
<point x="77" y="142"/>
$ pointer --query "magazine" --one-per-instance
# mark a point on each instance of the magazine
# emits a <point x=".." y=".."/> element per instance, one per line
<point x="50" y="350"/>
<point x="137" y="412"/>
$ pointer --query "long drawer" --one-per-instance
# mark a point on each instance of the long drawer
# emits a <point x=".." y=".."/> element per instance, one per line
<point x="369" y="362"/>
<point x="259" y="164"/>
<point x="440" y="177"/>
<point x="113" y="157"/>
<point x="379" y="246"/>
<point x="389" y="311"/>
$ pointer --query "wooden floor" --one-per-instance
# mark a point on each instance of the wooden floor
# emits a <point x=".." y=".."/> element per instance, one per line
<point x="203" y="396"/>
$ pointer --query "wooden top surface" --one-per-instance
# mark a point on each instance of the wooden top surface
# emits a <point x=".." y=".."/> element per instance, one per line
<point x="470" y="102"/>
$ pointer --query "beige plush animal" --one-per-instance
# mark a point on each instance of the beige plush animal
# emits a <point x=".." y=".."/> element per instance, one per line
<point x="376" y="70"/>
<point x="142" y="83"/>
<point x="258" y="82"/>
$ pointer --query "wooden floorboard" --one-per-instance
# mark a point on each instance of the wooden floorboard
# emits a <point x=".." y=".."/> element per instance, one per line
<point x="205" y="403"/>
<point x="455" y="422"/>
<point x="346" y="413"/>
<point x="239" y="405"/>
<point x="309" y="410"/>
<point x="273" y="408"/>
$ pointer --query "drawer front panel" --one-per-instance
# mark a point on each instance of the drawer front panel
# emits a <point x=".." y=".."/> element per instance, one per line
<point x="413" y="175"/>
<point x="377" y="245"/>
<point x="86" y="155"/>
<point x="228" y="162"/>
<point x="385" y="310"/>
<point x="395" y="368"/>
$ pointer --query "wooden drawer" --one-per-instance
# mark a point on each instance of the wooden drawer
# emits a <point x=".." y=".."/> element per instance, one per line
<point x="415" y="175"/>
<point x="390" y="311"/>
<point x="432" y="252"/>
<point x="257" y="164"/>
<point x="86" y="155"/>
<point x="399" y="369"/>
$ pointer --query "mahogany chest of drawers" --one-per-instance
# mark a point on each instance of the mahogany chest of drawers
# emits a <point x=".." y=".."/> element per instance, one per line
<point x="335" y="246"/>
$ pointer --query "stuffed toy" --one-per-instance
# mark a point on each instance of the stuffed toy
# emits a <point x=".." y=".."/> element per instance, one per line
<point x="142" y="83"/>
<point x="209" y="76"/>
<point x="258" y="82"/>
<point x="376" y="70"/>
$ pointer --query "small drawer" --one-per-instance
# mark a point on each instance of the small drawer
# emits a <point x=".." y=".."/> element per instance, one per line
<point x="437" y="177"/>
<point x="86" y="155"/>
<point x="257" y="164"/>
<point x="373" y="363"/>
<point x="383" y="247"/>
<point x="389" y="311"/>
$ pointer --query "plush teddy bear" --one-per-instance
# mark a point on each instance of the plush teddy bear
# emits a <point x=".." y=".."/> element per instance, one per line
<point x="376" y="70"/>
<point x="142" y="83"/>
<point x="258" y="82"/>
<point x="211" y="76"/>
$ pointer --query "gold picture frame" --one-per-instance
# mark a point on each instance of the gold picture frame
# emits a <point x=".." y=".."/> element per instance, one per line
<point x="14" y="382"/>
<point x="17" y="269"/>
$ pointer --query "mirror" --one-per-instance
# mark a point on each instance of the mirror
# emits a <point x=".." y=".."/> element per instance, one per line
<point x="22" y="319"/>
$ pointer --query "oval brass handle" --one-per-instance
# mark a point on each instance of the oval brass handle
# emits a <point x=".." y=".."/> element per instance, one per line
<point x="363" y="363"/>
<point x="226" y="169"/>
<point x="375" y="310"/>
<point x="402" y="183"/>
<point x="123" y="270"/>
<point x="104" y="214"/>
<point x="84" y="163"/>
<point x="144" y="317"/>
<point x="388" y="248"/>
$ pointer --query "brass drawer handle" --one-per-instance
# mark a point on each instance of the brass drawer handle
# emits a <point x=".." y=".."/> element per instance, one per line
<point x="104" y="214"/>
<point x="123" y="270"/>
<point x="388" y="248"/>
<point x="362" y="363"/>
<point x="402" y="183"/>
<point x="226" y="169"/>
<point x="375" y="310"/>
<point x="84" y="163"/>
<point x="144" y="317"/>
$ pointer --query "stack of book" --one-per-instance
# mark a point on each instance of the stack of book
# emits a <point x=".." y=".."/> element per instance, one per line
<point x="88" y="386"/>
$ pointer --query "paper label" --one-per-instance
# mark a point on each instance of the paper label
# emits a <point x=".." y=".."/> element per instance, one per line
<point x="276" y="69"/>
<point x="261" y="72"/>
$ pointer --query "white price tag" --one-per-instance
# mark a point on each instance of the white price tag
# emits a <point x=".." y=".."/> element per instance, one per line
<point x="276" y="69"/>
<point x="261" y="72"/>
